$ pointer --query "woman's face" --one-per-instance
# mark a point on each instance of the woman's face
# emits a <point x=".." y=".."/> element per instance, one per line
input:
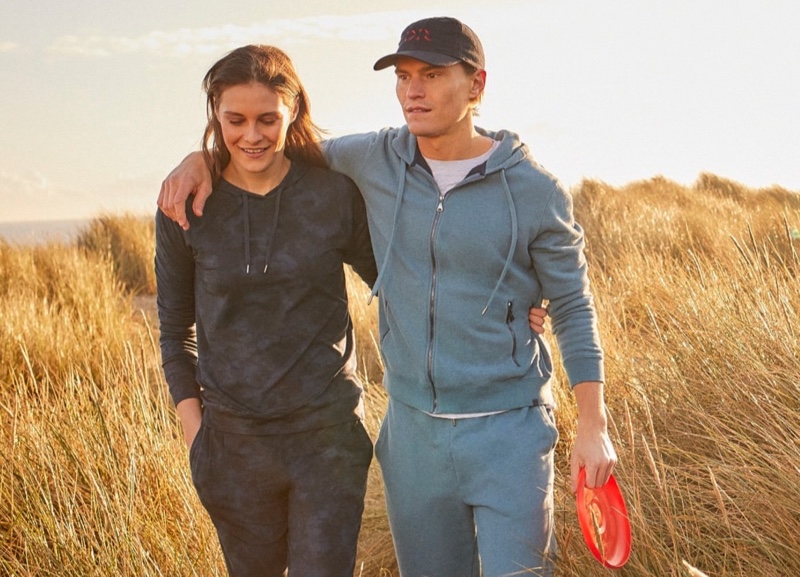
<point x="254" y="120"/>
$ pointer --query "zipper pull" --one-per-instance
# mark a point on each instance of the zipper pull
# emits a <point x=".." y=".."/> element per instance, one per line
<point x="440" y="206"/>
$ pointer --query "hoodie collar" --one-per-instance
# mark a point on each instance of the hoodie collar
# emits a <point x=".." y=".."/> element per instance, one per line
<point x="510" y="151"/>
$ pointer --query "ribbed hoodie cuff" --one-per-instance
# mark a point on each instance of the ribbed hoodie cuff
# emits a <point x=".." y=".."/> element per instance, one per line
<point x="182" y="380"/>
<point x="583" y="370"/>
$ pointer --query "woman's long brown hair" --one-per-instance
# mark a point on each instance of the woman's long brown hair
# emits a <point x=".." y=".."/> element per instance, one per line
<point x="273" y="68"/>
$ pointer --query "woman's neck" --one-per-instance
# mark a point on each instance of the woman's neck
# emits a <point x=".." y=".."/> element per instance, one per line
<point x="258" y="182"/>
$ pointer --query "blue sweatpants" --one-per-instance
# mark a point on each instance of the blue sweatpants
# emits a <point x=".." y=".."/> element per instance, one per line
<point x="470" y="497"/>
<point x="291" y="500"/>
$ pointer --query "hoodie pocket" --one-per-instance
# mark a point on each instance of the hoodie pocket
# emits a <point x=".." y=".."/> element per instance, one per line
<point x="388" y="348"/>
<point x="510" y="326"/>
<point x="549" y="418"/>
<point x="383" y="323"/>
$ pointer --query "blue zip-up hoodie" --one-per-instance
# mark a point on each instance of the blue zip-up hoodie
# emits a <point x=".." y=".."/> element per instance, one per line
<point x="457" y="276"/>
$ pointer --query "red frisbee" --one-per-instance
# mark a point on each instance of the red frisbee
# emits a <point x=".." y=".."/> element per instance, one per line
<point x="604" y="522"/>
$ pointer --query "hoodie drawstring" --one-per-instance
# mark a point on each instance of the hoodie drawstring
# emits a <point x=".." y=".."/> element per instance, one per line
<point x="270" y="240"/>
<point x="513" y="212"/>
<point x="400" y="190"/>
<point x="512" y="209"/>
<point x="246" y="203"/>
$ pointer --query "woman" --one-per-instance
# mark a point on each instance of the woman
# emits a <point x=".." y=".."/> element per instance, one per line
<point x="257" y="344"/>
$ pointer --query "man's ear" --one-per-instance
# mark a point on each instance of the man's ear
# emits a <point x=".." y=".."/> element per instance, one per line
<point x="478" y="84"/>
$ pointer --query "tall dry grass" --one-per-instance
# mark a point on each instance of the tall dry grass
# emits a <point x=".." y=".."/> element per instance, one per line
<point x="128" y="244"/>
<point x="93" y="478"/>
<point x="698" y="299"/>
<point x="696" y="289"/>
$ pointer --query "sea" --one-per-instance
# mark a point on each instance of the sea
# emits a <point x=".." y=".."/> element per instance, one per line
<point x="41" y="232"/>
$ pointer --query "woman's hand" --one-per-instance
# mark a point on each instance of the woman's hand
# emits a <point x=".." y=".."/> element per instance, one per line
<point x="190" y="413"/>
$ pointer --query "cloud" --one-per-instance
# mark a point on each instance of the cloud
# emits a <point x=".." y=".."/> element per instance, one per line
<point x="24" y="195"/>
<point x="35" y="197"/>
<point x="213" y="40"/>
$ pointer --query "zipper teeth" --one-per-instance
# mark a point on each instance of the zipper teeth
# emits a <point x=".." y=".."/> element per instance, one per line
<point x="439" y="209"/>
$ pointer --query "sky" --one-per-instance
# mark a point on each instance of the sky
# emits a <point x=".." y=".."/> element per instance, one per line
<point x="102" y="99"/>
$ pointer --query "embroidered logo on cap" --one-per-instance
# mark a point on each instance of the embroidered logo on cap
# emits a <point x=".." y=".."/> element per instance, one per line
<point x="417" y="35"/>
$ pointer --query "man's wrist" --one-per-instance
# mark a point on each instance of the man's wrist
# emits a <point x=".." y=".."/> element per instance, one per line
<point x="591" y="406"/>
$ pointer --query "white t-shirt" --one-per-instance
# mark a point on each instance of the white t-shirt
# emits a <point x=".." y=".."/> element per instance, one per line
<point x="448" y="173"/>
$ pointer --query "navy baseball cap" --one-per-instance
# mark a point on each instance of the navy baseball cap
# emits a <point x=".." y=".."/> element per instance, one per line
<point x="440" y="41"/>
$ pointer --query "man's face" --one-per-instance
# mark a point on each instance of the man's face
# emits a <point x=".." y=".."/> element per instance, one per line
<point x="436" y="100"/>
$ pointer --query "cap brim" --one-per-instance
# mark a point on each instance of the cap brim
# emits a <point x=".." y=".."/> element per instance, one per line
<point x="433" y="58"/>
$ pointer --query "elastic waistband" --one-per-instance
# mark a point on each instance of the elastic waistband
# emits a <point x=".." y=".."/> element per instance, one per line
<point x="228" y="422"/>
<point x="296" y="422"/>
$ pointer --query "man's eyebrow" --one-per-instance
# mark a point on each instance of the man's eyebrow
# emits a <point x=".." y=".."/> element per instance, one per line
<point x="424" y="69"/>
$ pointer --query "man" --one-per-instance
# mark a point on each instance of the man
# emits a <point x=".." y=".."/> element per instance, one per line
<point x="468" y="232"/>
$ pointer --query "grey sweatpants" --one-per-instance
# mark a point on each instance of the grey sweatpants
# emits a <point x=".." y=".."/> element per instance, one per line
<point x="469" y="497"/>
<point x="278" y="501"/>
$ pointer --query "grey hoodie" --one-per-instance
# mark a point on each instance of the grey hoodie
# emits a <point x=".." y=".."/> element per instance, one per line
<point x="262" y="278"/>
<point x="457" y="276"/>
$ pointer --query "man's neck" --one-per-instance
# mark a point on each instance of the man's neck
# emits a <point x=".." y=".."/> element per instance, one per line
<point x="457" y="145"/>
